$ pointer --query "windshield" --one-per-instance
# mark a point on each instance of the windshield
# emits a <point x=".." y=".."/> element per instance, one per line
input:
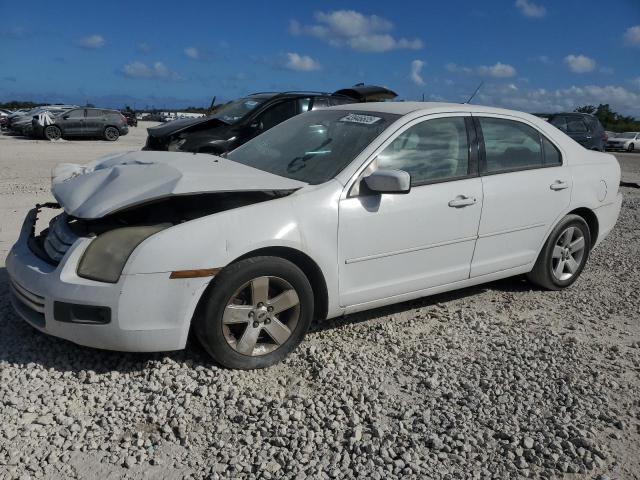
<point x="315" y="146"/>
<point x="625" y="135"/>
<point x="233" y="111"/>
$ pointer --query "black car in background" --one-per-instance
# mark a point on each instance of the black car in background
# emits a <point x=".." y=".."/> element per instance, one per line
<point x="82" y="122"/>
<point x="130" y="115"/>
<point x="240" y="120"/>
<point x="584" y="128"/>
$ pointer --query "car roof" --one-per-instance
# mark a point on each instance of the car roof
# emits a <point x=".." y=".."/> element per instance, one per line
<point x="404" y="108"/>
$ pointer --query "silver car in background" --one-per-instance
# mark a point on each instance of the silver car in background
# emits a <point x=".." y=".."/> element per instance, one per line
<point x="627" y="141"/>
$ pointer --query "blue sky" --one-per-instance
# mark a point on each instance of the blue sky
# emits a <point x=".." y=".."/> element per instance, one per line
<point x="533" y="55"/>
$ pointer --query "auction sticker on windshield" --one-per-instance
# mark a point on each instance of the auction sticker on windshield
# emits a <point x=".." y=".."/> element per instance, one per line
<point x="359" y="118"/>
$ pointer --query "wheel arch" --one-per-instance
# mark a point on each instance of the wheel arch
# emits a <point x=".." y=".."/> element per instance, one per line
<point x="308" y="266"/>
<point x="590" y="217"/>
<point x="300" y="259"/>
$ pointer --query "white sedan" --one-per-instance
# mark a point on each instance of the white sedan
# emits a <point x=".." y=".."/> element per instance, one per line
<point x="624" y="141"/>
<point x="332" y="212"/>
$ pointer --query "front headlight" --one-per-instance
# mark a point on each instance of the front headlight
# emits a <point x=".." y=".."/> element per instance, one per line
<point x="106" y="255"/>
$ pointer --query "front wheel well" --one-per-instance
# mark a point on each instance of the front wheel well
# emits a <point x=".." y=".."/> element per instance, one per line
<point x="308" y="266"/>
<point x="591" y="219"/>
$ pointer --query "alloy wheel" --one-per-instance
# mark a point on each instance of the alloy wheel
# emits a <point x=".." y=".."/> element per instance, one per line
<point x="111" y="133"/>
<point x="568" y="254"/>
<point x="261" y="316"/>
<point x="53" y="133"/>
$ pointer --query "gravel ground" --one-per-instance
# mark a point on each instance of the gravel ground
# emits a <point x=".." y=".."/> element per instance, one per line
<point x="497" y="381"/>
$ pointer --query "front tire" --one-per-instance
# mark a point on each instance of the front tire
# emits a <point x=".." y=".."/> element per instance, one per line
<point x="111" y="134"/>
<point x="563" y="256"/>
<point x="631" y="148"/>
<point x="256" y="312"/>
<point x="52" y="132"/>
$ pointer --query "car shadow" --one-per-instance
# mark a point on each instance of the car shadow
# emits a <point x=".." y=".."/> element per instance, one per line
<point x="21" y="344"/>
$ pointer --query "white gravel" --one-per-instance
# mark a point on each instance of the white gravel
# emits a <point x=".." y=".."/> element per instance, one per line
<point x="497" y="381"/>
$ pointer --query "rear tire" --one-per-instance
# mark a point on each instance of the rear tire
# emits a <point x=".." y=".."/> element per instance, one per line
<point x="111" y="134"/>
<point x="255" y="313"/>
<point x="51" y="132"/>
<point x="563" y="256"/>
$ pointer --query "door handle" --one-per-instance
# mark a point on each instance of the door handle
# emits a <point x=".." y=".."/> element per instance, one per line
<point x="559" y="185"/>
<point x="462" y="201"/>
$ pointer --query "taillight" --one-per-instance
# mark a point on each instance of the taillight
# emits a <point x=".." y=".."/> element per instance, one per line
<point x="124" y="119"/>
<point x="605" y="137"/>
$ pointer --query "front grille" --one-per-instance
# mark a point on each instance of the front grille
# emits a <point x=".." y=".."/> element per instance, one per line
<point x="59" y="238"/>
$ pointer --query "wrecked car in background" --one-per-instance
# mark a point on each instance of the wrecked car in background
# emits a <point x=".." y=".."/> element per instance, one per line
<point x="21" y="123"/>
<point x="334" y="211"/>
<point x="81" y="122"/>
<point x="243" y="119"/>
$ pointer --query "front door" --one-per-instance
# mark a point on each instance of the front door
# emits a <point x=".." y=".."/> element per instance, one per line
<point x="393" y="244"/>
<point x="73" y="122"/>
<point x="526" y="188"/>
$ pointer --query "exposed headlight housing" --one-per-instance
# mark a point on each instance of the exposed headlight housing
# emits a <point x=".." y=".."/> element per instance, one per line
<point x="106" y="255"/>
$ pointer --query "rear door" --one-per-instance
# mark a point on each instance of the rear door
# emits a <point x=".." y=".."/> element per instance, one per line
<point x="526" y="189"/>
<point x="94" y="122"/>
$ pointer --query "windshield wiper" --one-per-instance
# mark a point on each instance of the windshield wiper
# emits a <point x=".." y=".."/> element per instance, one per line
<point x="307" y="156"/>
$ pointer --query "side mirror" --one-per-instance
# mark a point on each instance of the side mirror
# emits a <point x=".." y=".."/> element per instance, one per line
<point x="66" y="117"/>
<point x="256" y="125"/>
<point x="388" y="181"/>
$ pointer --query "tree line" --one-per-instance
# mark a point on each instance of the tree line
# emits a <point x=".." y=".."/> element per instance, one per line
<point x="611" y="120"/>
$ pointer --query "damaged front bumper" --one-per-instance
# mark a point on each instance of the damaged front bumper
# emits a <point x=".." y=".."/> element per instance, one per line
<point x="141" y="312"/>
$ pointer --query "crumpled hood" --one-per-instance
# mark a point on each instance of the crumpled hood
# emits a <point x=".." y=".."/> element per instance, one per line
<point x="124" y="180"/>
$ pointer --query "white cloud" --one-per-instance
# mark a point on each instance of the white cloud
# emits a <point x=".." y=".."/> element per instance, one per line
<point x="301" y="63"/>
<point x="632" y="36"/>
<point x="580" y="63"/>
<point x="92" y="41"/>
<point x="455" y="68"/>
<point x="144" y="47"/>
<point x="192" y="52"/>
<point x="416" y="72"/>
<point x="156" y="70"/>
<point x="559" y="100"/>
<point x="499" y="70"/>
<point x="530" y="9"/>
<point x="364" y="33"/>
<point x="543" y="59"/>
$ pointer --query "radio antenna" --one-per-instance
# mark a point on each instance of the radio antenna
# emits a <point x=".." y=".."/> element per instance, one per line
<point x="476" y="91"/>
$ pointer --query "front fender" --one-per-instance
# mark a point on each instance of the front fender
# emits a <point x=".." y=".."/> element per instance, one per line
<point x="215" y="240"/>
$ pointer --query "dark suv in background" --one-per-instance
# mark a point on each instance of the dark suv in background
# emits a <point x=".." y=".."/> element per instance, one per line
<point x="83" y="122"/>
<point x="240" y="120"/>
<point x="582" y="127"/>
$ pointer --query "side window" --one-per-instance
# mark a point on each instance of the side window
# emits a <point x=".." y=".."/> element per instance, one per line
<point x="560" y="122"/>
<point x="576" y="125"/>
<point x="76" y="114"/>
<point x="430" y="151"/>
<point x="510" y="145"/>
<point x="551" y="153"/>
<point x="303" y="104"/>
<point x="92" y="113"/>
<point x="278" y="114"/>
